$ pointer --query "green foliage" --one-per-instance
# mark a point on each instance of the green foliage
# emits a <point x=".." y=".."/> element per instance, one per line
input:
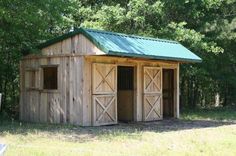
<point x="224" y="114"/>
<point x="207" y="27"/>
<point x="24" y="24"/>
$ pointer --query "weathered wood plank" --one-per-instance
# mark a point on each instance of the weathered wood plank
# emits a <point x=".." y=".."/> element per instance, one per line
<point x="75" y="44"/>
<point x="76" y="92"/>
<point x="63" y="77"/>
<point x="43" y="117"/>
<point x="55" y="109"/>
<point x="86" y="47"/>
<point x="66" y="46"/>
<point x="68" y="93"/>
<point x="57" y="48"/>
<point x="177" y="92"/>
<point x="87" y="94"/>
<point x="139" y="96"/>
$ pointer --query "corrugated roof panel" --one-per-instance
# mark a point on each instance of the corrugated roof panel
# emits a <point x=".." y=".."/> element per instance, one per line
<point x="121" y="44"/>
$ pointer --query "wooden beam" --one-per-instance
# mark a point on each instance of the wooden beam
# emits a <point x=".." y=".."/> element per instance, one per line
<point x="177" y="92"/>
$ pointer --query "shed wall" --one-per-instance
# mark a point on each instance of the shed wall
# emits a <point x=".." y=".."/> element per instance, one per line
<point x="63" y="105"/>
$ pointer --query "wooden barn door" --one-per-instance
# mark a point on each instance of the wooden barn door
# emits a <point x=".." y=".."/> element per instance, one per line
<point x="152" y="97"/>
<point x="104" y="90"/>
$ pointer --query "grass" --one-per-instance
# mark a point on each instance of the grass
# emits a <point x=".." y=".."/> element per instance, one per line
<point x="210" y="114"/>
<point x="198" y="133"/>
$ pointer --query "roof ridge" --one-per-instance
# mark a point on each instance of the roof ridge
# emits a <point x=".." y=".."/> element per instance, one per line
<point x="131" y="35"/>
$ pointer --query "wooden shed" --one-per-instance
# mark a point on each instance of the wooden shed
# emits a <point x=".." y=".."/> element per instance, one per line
<point x="91" y="77"/>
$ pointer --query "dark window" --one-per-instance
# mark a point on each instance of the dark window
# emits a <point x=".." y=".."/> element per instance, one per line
<point x="49" y="77"/>
<point x="125" y="78"/>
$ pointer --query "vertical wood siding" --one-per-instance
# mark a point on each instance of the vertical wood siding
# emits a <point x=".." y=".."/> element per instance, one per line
<point x="63" y="105"/>
<point x="77" y="44"/>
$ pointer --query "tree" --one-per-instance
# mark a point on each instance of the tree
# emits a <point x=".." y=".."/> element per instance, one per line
<point x="24" y="24"/>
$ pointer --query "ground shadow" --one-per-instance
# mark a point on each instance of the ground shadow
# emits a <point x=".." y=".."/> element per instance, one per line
<point x="82" y="134"/>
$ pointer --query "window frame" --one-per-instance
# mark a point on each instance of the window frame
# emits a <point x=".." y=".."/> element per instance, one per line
<point x="36" y="73"/>
<point x="42" y="78"/>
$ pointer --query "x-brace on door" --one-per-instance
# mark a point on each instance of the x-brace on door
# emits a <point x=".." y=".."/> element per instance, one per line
<point x="104" y="92"/>
<point x="152" y="93"/>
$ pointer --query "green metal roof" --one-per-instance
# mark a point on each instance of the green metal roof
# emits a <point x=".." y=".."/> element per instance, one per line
<point x="133" y="46"/>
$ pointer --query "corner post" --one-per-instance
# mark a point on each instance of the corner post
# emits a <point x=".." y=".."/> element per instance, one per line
<point x="177" y="91"/>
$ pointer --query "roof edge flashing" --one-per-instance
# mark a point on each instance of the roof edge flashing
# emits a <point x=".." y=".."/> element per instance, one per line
<point x="156" y="57"/>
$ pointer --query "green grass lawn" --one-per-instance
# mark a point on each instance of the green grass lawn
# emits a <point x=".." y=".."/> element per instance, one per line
<point x="191" y="135"/>
<point x="210" y="114"/>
